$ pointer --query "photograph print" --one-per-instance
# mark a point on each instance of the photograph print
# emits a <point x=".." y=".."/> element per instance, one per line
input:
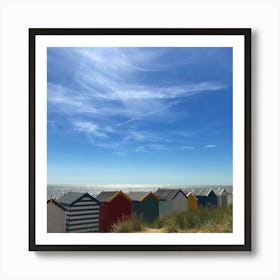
<point x="141" y="139"/>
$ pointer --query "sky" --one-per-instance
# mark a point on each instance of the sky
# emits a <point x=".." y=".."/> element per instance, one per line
<point x="139" y="115"/>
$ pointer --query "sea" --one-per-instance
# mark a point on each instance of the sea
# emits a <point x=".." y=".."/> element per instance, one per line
<point x="56" y="191"/>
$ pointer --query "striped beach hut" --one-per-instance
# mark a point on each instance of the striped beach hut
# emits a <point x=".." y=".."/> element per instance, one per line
<point x="115" y="206"/>
<point x="222" y="197"/>
<point x="73" y="212"/>
<point x="144" y="205"/>
<point x="192" y="201"/>
<point x="205" y="196"/>
<point x="171" y="200"/>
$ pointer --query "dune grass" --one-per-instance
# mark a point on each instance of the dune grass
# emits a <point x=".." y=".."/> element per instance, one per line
<point x="199" y="220"/>
<point x="129" y="225"/>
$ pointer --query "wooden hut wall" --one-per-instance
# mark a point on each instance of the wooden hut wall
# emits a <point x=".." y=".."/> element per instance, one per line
<point x="149" y="209"/>
<point x="55" y="218"/>
<point x="206" y="201"/>
<point x="192" y="202"/>
<point x="221" y="197"/>
<point x="105" y="217"/>
<point x="83" y="215"/>
<point x="165" y="207"/>
<point x="111" y="212"/>
<point x="222" y="200"/>
<point x="219" y="200"/>
<point x="202" y="201"/>
<point x="212" y="199"/>
<point x="135" y="209"/>
<point x="180" y="202"/>
<point x="229" y="199"/>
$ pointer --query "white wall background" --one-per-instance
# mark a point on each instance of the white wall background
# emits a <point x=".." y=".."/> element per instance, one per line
<point x="16" y="262"/>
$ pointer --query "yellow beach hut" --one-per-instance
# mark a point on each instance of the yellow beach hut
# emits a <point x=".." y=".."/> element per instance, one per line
<point x="192" y="201"/>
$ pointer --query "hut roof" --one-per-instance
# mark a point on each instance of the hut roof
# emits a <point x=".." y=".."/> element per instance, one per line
<point x="56" y="203"/>
<point x="165" y="194"/>
<point x="140" y="196"/>
<point x="189" y="193"/>
<point x="201" y="191"/>
<point x="107" y="196"/>
<point x="71" y="197"/>
<point x="228" y="189"/>
<point x="188" y="190"/>
<point x="219" y="191"/>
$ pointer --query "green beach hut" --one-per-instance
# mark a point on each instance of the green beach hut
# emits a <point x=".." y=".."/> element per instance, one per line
<point x="145" y="205"/>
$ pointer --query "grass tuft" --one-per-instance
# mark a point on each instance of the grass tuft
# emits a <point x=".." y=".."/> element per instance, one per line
<point x="128" y="225"/>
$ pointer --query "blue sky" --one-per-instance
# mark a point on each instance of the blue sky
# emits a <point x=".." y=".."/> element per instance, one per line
<point x="139" y="115"/>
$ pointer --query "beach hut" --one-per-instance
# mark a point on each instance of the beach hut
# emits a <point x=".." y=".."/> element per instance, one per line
<point x="222" y="197"/>
<point x="229" y="191"/>
<point x="171" y="200"/>
<point x="192" y="201"/>
<point x="115" y="206"/>
<point x="144" y="205"/>
<point x="73" y="212"/>
<point x="56" y="217"/>
<point x="229" y="198"/>
<point x="205" y="196"/>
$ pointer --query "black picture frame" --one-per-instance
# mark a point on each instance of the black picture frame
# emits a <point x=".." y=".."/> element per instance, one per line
<point x="245" y="32"/>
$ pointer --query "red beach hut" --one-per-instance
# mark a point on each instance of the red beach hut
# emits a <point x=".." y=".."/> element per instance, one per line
<point x="115" y="205"/>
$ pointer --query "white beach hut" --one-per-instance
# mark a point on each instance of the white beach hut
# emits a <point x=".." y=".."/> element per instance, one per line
<point x="56" y="217"/>
<point x="171" y="200"/>
<point x="229" y="198"/>
<point x="222" y="197"/>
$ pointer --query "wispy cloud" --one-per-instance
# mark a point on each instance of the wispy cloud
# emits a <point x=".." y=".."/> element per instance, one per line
<point x="211" y="146"/>
<point x="68" y="101"/>
<point x="89" y="128"/>
<point x="157" y="147"/>
<point x="151" y="148"/>
<point x="120" y="153"/>
<point x="104" y="87"/>
<point x="130" y="60"/>
<point x="126" y="122"/>
<point x="110" y="87"/>
<point x="139" y="136"/>
<point x="188" y="147"/>
<point x="141" y="149"/>
<point x="107" y="84"/>
<point x="142" y="104"/>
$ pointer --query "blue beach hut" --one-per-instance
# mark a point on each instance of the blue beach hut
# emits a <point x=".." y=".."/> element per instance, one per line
<point x="206" y="197"/>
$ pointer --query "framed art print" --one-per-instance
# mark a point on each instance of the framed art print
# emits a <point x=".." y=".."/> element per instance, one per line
<point x="140" y="139"/>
